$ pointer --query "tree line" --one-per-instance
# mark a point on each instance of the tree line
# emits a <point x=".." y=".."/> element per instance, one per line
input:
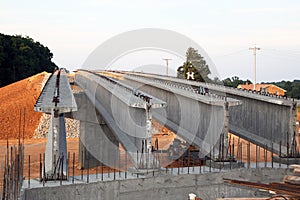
<point x="22" y="57"/>
<point x="196" y="65"/>
<point x="292" y="87"/>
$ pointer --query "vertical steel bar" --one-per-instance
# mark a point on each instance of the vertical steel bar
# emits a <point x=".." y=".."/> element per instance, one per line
<point x="248" y="154"/>
<point x="189" y="159"/>
<point x="256" y="154"/>
<point x="62" y="168"/>
<point x="41" y="167"/>
<point x="178" y="165"/>
<point x="200" y="171"/>
<point x="28" y="171"/>
<point x="88" y="168"/>
<point x="266" y="158"/>
<point x="153" y="160"/>
<point x="82" y="165"/>
<point x="97" y="163"/>
<point x="115" y="168"/>
<point x="193" y="164"/>
<point x="182" y="164"/>
<point x="68" y="164"/>
<point x="230" y="154"/>
<point x="101" y="171"/>
<point x="126" y="165"/>
<point x="44" y="170"/>
<point x="280" y="153"/>
<point x="119" y="162"/>
<point x="210" y="159"/>
<point x="272" y="155"/>
<point x="73" y="169"/>
<point x="241" y="153"/>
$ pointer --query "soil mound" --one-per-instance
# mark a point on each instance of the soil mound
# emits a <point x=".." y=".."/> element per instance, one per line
<point x="20" y="97"/>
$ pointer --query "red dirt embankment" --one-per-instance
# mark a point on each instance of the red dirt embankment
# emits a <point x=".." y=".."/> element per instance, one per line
<point x="16" y="97"/>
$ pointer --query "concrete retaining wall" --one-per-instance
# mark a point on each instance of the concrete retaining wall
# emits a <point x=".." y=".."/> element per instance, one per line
<point x="207" y="186"/>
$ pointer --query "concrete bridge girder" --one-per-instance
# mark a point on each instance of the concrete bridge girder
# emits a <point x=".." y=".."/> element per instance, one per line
<point x="124" y="114"/>
<point x="198" y="119"/>
<point x="263" y="120"/>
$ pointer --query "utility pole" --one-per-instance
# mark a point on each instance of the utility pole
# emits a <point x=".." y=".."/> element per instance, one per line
<point x="254" y="53"/>
<point x="167" y="64"/>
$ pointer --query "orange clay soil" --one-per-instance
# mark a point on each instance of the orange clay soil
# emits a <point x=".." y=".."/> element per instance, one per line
<point x="21" y="95"/>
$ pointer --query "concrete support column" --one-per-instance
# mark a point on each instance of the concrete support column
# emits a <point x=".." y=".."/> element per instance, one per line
<point x="293" y="133"/>
<point x="97" y="145"/>
<point x="56" y="147"/>
<point x="225" y="131"/>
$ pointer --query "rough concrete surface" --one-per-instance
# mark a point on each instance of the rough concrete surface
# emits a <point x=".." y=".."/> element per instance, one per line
<point x="206" y="186"/>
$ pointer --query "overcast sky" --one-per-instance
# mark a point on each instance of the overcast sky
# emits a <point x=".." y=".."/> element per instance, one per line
<point x="225" y="29"/>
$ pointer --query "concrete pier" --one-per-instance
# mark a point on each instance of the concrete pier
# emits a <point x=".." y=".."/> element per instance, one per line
<point x="56" y="99"/>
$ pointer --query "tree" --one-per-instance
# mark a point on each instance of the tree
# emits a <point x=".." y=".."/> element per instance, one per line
<point x="295" y="91"/>
<point x="235" y="81"/>
<point x="194" y="63"/>
<point x="21" y="57"/>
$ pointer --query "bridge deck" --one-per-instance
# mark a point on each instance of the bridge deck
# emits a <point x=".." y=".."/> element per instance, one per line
<point x="56" y="93"/>
<point x="223" y="89"/>
<point x="263" y="119"/>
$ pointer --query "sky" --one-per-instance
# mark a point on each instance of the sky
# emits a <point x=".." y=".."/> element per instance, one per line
<point x="225" y="29"/>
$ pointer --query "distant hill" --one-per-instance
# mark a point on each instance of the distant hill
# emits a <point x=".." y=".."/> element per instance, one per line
<point x="22" y="57"/>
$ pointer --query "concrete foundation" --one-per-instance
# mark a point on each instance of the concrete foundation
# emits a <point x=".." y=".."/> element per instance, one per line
<point x="206" y="186"/>
<point x="225" y="165"/>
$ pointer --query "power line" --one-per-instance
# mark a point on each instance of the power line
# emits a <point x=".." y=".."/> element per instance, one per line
<point x="254" y="53"/>
<point x="290" y="52"/>
<point x="232" y="53"/>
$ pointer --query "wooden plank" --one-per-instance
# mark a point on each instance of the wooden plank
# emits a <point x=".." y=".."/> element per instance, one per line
<point x="297" y="171"/>
<point x="278" y="190"/>
<point x="294" y="166"/>
<point x="292" y="179"/>
<point x="286" y="185"/>
<point x="249" y="198"/>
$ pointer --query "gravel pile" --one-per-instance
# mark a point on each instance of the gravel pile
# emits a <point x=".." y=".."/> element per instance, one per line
<point x="72" y="127"/>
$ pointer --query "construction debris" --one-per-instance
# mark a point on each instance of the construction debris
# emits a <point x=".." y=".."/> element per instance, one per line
<point x="289" y="188"/>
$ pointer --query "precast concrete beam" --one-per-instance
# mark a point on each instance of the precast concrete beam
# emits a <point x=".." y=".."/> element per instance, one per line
<point x="200" y="119"/>
<point x="126" y="112"/>
<point x="265" y="120"/>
